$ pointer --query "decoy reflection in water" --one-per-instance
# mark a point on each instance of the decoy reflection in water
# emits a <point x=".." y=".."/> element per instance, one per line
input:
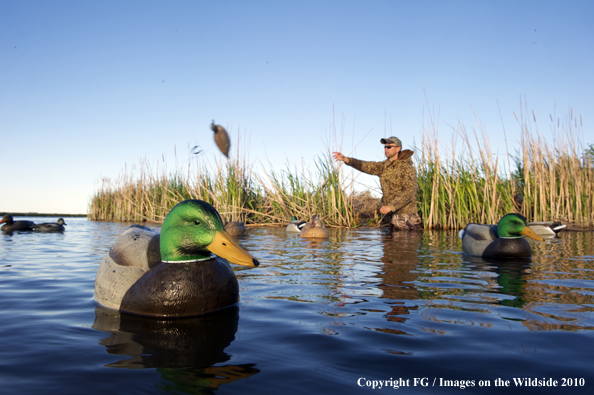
<point x="183" y="271"/>
<point x="296" y="225"/>
<point x="511" y="277"/>
<point x="315" y="229"/>
<point x="198" y="341"/>
<point x="199" y="344"/>
<point x="221" y="138"/>
<point x="11" y="225"/>
<point x="503" y="240"/>
<point x="547" y="229"/>
<point x="50" y="227"/>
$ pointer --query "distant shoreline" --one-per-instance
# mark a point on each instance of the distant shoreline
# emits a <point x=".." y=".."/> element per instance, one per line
<point x="2" y="213"/>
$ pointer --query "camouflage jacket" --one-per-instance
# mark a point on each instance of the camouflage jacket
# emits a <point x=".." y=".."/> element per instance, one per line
<point x="398" y="180"/>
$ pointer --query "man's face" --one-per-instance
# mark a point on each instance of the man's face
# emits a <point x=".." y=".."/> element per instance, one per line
<point x="391" y="150"/>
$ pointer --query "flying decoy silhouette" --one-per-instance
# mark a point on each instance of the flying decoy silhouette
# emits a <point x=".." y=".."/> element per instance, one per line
<point x="221" y="138"/>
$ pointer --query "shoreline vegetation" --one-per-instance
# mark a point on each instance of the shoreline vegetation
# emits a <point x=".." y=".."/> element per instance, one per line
<point x="32" y="214"/>
<point x="457" y="184"/>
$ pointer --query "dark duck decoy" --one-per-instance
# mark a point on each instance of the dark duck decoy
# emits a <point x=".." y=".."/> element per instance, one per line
<point x="501" y="241"/>
<point x="50" y="227"/>
<point x="183" y="271"/>
<point x="221" y="138"/>
<point x="235" y="228"/>
<point x="11" y="225"/>
<point x="315" y="229"/>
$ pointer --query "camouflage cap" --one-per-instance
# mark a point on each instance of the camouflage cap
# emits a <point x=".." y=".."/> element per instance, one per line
<point x="394" y="140"/>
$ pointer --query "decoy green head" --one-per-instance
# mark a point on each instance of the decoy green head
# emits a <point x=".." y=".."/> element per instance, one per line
<point x="193" y="230"/>
<point x="514" y="226"/>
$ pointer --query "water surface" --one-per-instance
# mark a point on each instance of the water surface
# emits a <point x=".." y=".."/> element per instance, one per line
<point x="333" y="316"/>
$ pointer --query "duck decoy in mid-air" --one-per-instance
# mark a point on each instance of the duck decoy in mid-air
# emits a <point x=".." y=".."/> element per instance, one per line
<point x="11" y="225"/>
<point x="295" y="225"/>
<point x="183" y="271"/>
<point x="235" y="228"/>
<point x="57" y="226"/>
<point x="221" y="138"/>
<point x="315" y="229"/>
<point x="503" y="240"/>
<point x="547" y="229"/>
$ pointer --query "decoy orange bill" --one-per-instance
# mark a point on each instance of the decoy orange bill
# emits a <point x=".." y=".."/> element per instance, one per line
<point x="530" y="233"/>
<point x="224" y="246"/>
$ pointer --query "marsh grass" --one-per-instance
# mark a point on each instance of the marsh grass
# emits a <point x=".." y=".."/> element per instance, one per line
<point x="302" y="194"/>
<point x="459" y="183"/>
<point x="232" y="186"/>
<point x="541" y="181"/>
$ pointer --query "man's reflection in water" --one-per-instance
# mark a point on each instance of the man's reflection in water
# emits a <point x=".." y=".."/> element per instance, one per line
<point x="400" y="272"/>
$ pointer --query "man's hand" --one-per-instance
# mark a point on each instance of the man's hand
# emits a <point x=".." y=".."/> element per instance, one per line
<point x="338" y="156"/>
<point x="385" y="210"/>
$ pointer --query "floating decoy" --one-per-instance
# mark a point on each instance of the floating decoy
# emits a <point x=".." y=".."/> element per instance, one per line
<point x="174" y="273"/>
<point x="295" y="225"/>
<point x="503" y="240"/>
<point x="547" y="229"/>
<point x="235" y="228"/>
<point x="221" y="138"/>
<point x="315" y="229"/>
<point x="57" y="226"/>
<point x="12" y="225"/>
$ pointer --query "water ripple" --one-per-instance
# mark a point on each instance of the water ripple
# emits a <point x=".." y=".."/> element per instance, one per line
<point x="364" y="303"/>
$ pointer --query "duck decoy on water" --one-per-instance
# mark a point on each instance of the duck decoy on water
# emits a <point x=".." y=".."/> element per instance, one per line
<point x="174" y="273"/>
<point x="11" y="225"/>
<point x="57" y="226"/>
<point x="295" y="225"/>
<point x="503" y="240"/>
<point x="235" y="228"/>
<point x="221" y="138"/>
<point x="547" y="229"/>
<point x="315" y="229"/>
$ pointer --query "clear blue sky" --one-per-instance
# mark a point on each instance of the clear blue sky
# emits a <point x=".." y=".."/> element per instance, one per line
<point x="88" y="87"/>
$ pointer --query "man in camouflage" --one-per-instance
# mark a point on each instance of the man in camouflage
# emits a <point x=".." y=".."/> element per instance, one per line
<point x="398" y="179"/>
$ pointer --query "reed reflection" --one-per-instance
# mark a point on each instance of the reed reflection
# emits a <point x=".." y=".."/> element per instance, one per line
<point x="183" y="350"/>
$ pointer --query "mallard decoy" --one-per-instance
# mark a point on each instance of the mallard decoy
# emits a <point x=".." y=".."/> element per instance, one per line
<point x="547" y="229"/>
<point x="315" y="229"/>
<point x="57" y="226"/>
<point x="12" y="225"/>
<point x="174" y="273"/>
<point x="235" y="228"/>
<point x="221" y="138"/>
<point x="503" y="240"/>
<point x="295" y="225"/>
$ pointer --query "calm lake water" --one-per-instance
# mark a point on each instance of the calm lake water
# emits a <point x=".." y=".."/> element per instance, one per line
<point x="363" y="308"/>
